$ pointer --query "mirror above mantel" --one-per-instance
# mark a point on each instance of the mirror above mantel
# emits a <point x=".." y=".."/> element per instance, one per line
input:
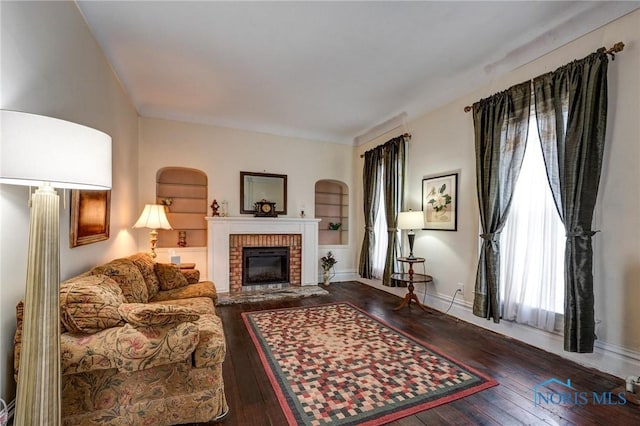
<point x="256" y="187"/>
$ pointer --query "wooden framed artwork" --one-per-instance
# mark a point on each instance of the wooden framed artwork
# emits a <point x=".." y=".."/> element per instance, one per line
<point x="90" y="214"/>
<point x="440" y="202"/>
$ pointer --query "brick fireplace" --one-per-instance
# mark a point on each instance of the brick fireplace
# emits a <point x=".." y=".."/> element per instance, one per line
<point x="238" y="241"/>
<point x="227" y="235"/>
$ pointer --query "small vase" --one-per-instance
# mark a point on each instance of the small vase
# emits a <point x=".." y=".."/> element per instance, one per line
<point x="325" y="276"/>
<point x="182" y="238"/>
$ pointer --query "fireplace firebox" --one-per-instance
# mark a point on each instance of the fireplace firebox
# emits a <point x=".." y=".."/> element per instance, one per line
<point x="265" y="265"/>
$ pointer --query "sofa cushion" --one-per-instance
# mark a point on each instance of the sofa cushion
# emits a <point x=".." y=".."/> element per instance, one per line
<point x="89" y="303"/>
<point x="150" y="315"/>
<point x="128" y="276"/>
<point x="145" y="263"/>
<point x="202" y="289"/>
<point x="170" y="276"/>
<point x="146" y="347"/>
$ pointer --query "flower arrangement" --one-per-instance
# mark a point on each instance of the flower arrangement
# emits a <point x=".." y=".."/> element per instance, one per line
<point x="328" y="261"/>
<point x="439" y="200"/>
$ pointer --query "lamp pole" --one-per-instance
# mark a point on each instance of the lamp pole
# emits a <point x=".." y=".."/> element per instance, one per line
<point x="38" y="394"/>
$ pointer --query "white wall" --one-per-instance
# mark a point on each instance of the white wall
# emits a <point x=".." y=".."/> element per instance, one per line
<point x="223" y="153"/>
<point x="51" y="65"/>
<point x="443" y="141"/>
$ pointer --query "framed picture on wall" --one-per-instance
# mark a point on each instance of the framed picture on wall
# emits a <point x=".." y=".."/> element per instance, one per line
<point x="90" y="212"/>
<point x="440" y="202"/>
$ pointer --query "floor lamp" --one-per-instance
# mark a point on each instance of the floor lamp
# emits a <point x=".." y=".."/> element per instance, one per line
<point x="411" y="220"/>
<point x="48" y="153"/>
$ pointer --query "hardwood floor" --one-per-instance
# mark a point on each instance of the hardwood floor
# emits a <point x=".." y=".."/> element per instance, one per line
<point x="516" y="366"/>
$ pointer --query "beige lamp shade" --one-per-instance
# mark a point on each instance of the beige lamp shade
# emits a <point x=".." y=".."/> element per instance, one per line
<point x="153" y="217"/>
<point x="411" y="220"/>
<point x="35" y="149"/>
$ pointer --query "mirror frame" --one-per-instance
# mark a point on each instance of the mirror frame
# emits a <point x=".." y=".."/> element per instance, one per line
<point x="279" y="209"/>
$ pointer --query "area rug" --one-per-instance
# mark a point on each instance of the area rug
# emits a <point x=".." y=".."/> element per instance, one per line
<point x="337" y="365"/>
<point x="271" y="294"/>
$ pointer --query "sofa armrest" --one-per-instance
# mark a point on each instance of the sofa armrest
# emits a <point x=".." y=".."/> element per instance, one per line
<point x="17" y="338"/>
<point x="80" y="353"/>
<point x="212" y="348"/>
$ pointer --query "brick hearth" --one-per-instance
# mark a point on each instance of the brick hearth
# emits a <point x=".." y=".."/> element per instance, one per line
<point x="238" y="241"/>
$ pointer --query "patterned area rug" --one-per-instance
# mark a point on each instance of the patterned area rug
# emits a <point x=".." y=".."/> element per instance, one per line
<point x="337" y="365"/>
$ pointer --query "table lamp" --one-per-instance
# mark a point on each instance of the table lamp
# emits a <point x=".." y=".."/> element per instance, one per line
<point x="411" y="220"/>
<point x="48" y="153"/>
<point x="153" y="217"/>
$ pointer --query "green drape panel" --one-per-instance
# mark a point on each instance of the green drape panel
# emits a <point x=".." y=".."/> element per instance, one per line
<point x="571" y="111"/>
<point x="394" y="170"/>
<point x="501" y="124"/>
<point x="371" y="178"/>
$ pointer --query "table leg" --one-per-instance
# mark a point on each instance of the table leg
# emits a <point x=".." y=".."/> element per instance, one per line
<point x="408" y="298"/>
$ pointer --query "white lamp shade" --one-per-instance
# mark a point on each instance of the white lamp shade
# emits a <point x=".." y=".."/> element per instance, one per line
<point x="153" y="217"/>
<point x="411" y="220"/>
<point x="35" y="149"/>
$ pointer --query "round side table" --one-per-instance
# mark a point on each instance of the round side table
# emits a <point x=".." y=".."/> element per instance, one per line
<point x="410" y="278"/>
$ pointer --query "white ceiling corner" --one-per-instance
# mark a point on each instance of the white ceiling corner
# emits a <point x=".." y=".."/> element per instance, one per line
<point x="329" y="71"/>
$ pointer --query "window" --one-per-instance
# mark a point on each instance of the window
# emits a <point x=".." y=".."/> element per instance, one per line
<point x="384" y="168"/>
<point x="381" y="239"/>
<point x="532" y="246"/>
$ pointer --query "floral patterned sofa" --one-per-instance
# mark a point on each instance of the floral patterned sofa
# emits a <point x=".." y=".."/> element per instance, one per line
<point x="141" y="344"/>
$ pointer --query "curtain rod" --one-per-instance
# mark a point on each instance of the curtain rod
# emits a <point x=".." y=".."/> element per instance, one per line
<point x="404" y="135"/>
<point x="618" y="47"/>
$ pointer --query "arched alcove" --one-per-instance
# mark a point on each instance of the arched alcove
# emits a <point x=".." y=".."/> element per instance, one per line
<point x="184" y="193"/>
<point x="332" y="207"/>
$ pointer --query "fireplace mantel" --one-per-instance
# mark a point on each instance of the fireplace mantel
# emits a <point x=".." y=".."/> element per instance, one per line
<point x="220" y="228"/>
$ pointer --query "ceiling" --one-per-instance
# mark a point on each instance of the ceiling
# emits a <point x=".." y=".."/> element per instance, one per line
<point x="327" y="71"/>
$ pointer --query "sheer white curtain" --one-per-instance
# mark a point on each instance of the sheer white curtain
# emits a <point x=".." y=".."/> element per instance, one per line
<point x="532" y="246"/>
<point x="380" y="246"/>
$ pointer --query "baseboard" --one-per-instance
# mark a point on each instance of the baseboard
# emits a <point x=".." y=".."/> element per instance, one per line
<point x="609" y="358"/>
<point x="341" y="276"/>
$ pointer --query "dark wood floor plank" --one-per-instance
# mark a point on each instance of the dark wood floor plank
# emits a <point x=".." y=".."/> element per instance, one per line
<point x="517" y="368"/>
<point x="505" y="393"/>
<point x="452" y="415"/>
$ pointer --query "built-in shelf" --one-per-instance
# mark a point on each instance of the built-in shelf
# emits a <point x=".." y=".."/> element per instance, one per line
<point x="185" y="192"/>
<point x="332" y="206"/>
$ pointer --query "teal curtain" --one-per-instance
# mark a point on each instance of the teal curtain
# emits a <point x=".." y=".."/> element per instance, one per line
<point x="394" y="175"/>
<point x="501" y="124"/>
<point x="371" y="180"/>
<point x="571" y="111"/>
